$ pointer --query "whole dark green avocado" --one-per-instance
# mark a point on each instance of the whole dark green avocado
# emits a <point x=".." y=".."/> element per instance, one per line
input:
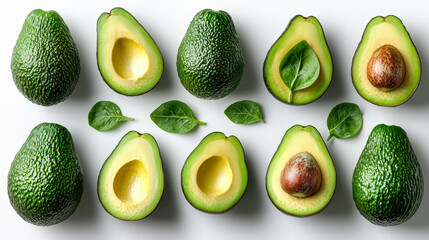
<point x="45" y="61"/>
<point x="387" y="180"/>
<point x="45" y="181"/>
<point x="210" y="60"/>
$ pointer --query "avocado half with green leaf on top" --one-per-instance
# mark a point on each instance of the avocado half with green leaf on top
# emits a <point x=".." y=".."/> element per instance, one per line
<point x="214" y="176"/>
<point x="301" y="177"/>
<point x="128" y="58"/>
<point x="131" y="181"/>
<point x="299" y="29"/>
<point x="386" y="66"/>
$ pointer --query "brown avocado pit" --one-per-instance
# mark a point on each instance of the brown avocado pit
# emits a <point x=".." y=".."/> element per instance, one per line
<point x="301" y="176"/>
<point x="386" y="68"/>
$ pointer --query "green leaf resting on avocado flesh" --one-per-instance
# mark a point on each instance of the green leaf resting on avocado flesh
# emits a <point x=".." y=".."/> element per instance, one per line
<point x="244" y="112"/>
<point x="175" y="117"/>
<point x="105" y="115"/>
<point x="299" y="68"/>
<point x="344" y="121"/>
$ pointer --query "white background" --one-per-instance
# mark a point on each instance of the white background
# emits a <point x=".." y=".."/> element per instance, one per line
<point x="259" y="24"/>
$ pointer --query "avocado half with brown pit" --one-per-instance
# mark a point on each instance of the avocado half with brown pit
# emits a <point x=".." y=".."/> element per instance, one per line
<point x="386" y="66"/>
<point x="301" y="177"/>
<point x="300" y="28"/>
<point x="131" y="181"/>
<point x="128" y="58"/>
<point x="214" y="176"/>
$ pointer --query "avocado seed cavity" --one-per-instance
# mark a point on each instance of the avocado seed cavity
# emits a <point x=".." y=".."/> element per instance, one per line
<point x="301" y="177"/>
<point x="386" y="68"/>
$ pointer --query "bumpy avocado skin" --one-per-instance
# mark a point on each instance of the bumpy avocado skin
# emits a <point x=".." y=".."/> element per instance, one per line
<point x="45" y="181"/>
<point x="45" y="61"/>
<point x="387" y="180"/>
<point x="210" y="60"/>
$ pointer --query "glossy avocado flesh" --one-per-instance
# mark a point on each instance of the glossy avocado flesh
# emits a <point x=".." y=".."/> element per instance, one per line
<point x="128" y="58"/>
<point x="214" y="176"/>
<point x="45" y="61"/>
<point x="210" y="60"/>
<point x="45" y="181"/>
<point x="382" y="31"/>
<point x="299" y="139"/>
<point x="299" y="28"/>
<point x="131" y="181"/>
<point x="387" y="180"/>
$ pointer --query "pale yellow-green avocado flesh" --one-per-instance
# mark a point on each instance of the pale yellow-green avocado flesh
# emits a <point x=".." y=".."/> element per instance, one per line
<point x="128" y="58"/>
<point x="296" y="140"/>
<point x="214" y="176"/>
<point x="131" y="181"/>
<point x="299" y="28"/>
<point x="382" y="31"/>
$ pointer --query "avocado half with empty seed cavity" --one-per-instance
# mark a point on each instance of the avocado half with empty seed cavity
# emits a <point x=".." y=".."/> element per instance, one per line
<point x="131" y="181"/>
<point x="214" y="176"/>
<point x="128" y="58"/>
<point x="386" y="66"/>
<point x="300" y="28"/>
<point x="301" y="177"/>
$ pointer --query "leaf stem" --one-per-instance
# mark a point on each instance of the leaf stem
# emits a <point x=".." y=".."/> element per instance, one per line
<point x="200" y="123"/>
<point x="129" y="118"/>
<point x="330" y="135"/>
<point x="289" y="99"/>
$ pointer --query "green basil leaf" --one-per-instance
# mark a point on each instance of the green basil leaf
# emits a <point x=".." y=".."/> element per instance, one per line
<point x="344" y="121"/>
<point x="175" y="117"/>
<point x="105" y="115"/>
<point x="299" y="68"/>
<point x="244" y="112"/>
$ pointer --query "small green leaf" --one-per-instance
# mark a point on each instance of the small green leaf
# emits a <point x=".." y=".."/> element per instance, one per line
<point x="344" y="121"/>
<point x="105" y="115"/>
<point x="299" y="68"/>
<point x="175" y="117"/>
<point x="244" y="112"/>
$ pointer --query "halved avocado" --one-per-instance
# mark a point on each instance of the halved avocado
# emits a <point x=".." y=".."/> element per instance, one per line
<point x="299" y="28"/>
<point x="299" y="139"/>
<point x="214" y="176"/>
<point x="379" y="32"/>
<point x="131" y="181"/>
<point x="128" y="58"/>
